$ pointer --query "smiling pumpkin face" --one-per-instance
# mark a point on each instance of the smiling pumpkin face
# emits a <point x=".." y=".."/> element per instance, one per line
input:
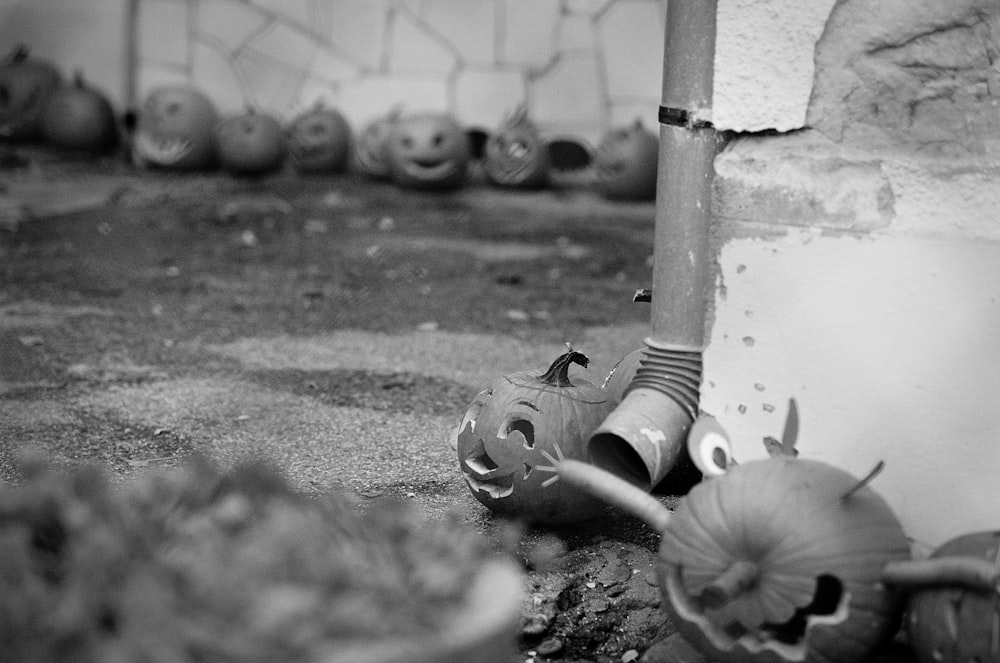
<point x="176" y="130"/>
<point x="429" y="151"/>
<point x="515" y="429"/>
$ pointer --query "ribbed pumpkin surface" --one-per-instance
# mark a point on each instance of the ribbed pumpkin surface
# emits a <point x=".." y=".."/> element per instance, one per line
<point x="788" y="517"/>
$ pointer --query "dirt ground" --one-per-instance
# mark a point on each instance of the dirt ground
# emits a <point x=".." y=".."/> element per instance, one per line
<point x="335" y="325"/>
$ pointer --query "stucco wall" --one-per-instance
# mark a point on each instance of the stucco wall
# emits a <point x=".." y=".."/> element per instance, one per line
<point x="858" y="264"/>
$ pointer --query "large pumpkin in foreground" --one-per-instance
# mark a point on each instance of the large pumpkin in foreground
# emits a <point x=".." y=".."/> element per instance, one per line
<point x="516" y="428"/>
<point x="776" y="561"/>
<point x="26" y="83"/>
<point x="176" y="129"/>
<point x="427" y="151"/>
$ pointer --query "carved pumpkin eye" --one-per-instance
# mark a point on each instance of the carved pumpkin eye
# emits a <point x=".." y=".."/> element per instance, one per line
<point x="520" y="424"/>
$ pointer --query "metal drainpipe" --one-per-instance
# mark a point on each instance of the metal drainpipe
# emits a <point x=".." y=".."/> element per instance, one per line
<point x="641" y="439"/>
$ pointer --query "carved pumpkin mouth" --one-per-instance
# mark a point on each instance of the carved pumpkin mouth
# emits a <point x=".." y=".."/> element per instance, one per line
<point x="429" y="169"/>
<point x="162" y="150"/>
<point x="496" y="488"/>
<point x="480" y="462"/>
<point x="789" y="640"/>
<point x="482" y="468"/>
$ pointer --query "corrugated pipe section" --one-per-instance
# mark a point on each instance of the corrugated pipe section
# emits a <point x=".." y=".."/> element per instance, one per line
<point x="641" y="440"/>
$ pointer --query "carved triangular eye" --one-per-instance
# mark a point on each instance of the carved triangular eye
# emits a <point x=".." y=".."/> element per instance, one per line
<point x="709" y="448"/>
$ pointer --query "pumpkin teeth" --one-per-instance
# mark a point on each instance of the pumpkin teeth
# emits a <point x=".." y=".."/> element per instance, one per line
<point x="164" y="150"/>
<point x="497" y="488"/>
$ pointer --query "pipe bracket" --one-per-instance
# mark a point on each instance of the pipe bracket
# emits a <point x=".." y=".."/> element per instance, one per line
<point x="681" y="117"/>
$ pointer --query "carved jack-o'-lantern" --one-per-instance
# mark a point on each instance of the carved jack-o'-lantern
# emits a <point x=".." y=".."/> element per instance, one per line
<point x="251" y="143"/>
<point x="319" y="141"/>
<point x="176" y="130"/>
<point x="26" y="83"/>
<point x="771" y="561"/>
<point x="625" y="163"/>
<point x="428" y="151"/>
<point x="515" y="430"/>
<point x="515" y="154"/>
<point x="954" y="609"/>
<point x="370" y="156"/>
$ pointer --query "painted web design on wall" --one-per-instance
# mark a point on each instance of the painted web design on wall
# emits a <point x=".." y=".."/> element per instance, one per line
<point x="579" y="66"/>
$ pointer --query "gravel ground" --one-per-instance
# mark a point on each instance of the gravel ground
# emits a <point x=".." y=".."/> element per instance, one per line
<point x="335" y="326"/>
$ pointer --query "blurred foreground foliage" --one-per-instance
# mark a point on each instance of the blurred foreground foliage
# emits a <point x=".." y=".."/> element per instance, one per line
<point x="196" y="564"/>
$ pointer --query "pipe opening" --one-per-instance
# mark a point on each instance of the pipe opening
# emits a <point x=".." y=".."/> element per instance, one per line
<point x="614" y="454"/>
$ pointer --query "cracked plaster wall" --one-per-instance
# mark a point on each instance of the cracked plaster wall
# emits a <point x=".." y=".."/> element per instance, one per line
<point x="858" y="265"/>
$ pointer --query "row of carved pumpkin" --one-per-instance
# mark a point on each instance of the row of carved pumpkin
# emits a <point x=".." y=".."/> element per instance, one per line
<point x="178" y="128"/>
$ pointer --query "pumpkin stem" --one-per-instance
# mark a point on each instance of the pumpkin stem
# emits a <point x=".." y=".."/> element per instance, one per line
<point x="874" y="472"/>
<point x="966" y="572"/>
<point x="558" y="373"/>
<point x="615" y="491"/>
<point x="737" y="579"/>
